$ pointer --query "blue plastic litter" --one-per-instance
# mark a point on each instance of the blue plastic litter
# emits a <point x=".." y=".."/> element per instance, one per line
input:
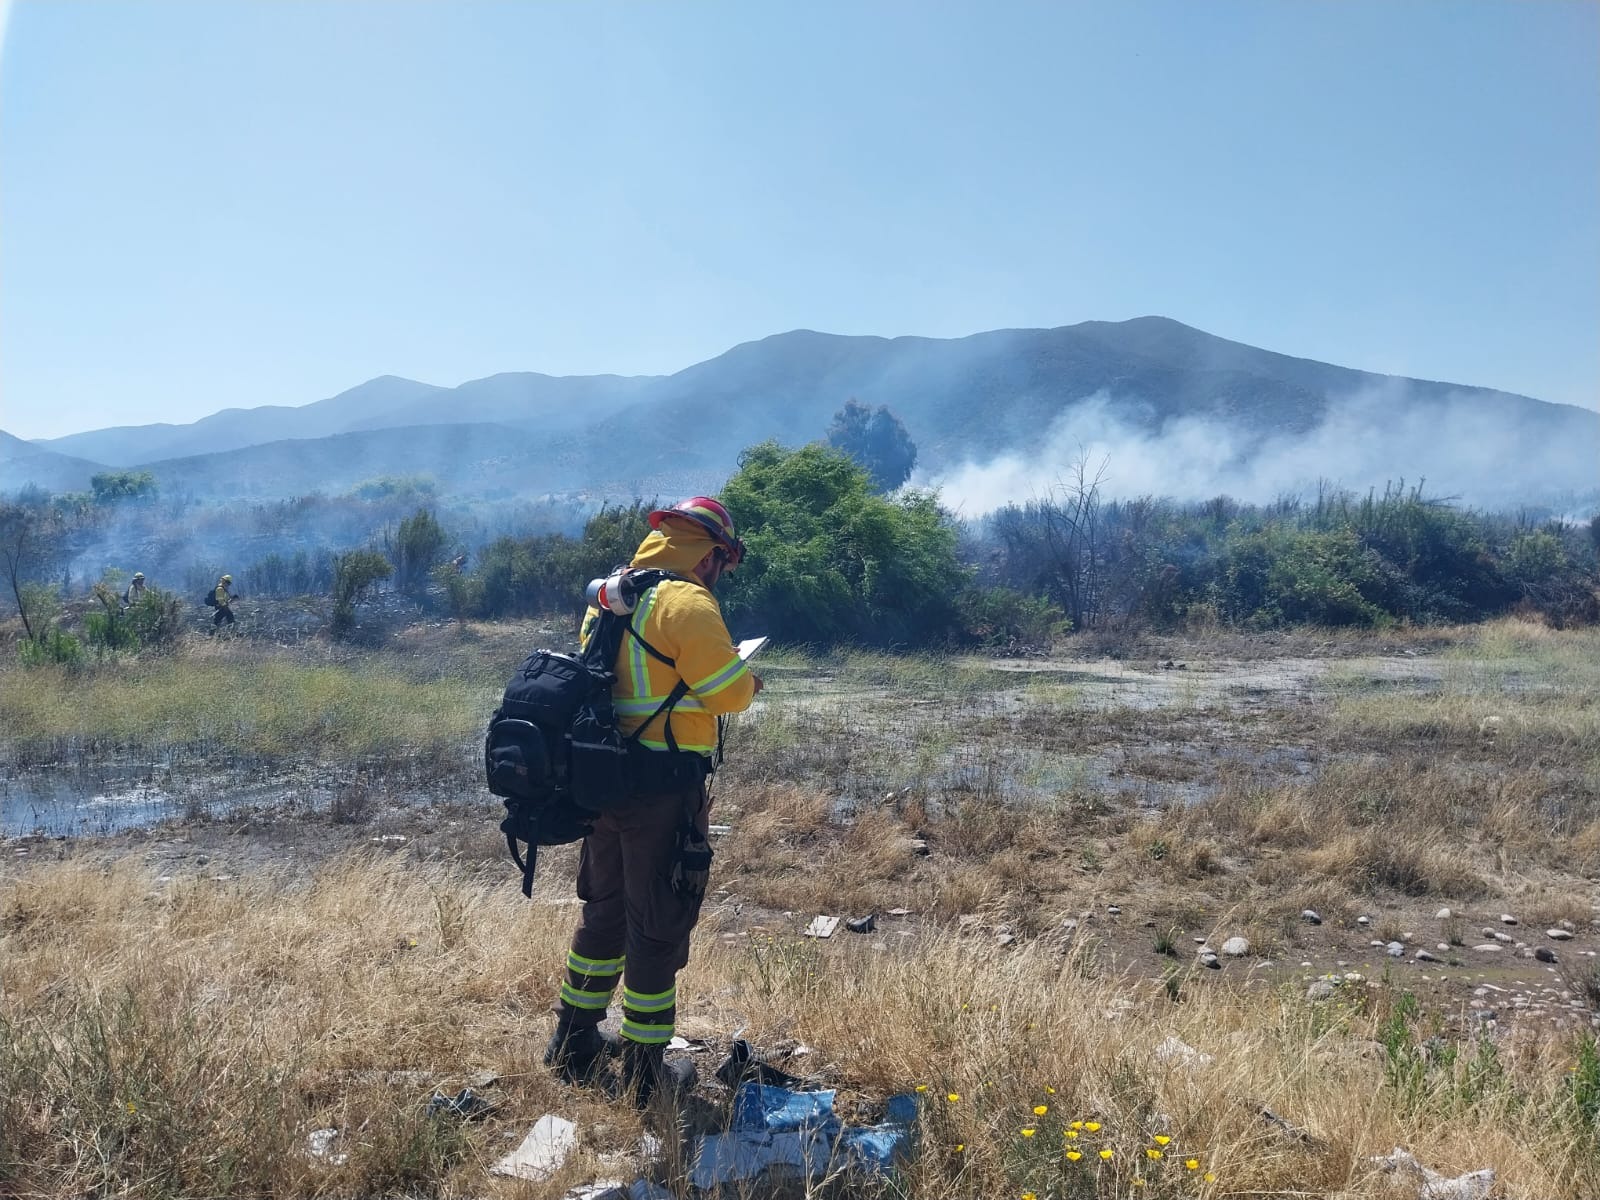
<point x="780" y="1110"/>
<point x="778" y="1130"/>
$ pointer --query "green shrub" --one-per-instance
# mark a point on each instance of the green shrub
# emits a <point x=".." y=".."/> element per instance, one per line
<point x="53" y="646"/>
<point x="831" y="561"/>
<point x="999" y="616"/>
<point x="353" y="574"/>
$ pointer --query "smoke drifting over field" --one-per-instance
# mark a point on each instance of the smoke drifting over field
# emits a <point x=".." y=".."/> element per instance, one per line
<point x="1460" y="448"/>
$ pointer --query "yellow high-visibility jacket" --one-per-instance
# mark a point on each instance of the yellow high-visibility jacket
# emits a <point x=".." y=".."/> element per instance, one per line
<point x="684" y="622"/>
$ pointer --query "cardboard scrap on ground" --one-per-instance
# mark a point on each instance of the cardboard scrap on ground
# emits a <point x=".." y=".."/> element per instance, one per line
<point x="822" y="927"/>
<point x="542" y="1152"/>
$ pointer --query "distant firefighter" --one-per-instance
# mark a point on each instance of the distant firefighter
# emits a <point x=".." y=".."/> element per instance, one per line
<point x="222" y="600"/>
<point x="459" y="562"/>
<point x="135" y="590"/>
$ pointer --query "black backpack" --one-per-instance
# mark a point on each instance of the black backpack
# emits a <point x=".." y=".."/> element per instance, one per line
<point x="210" y="600"/>
<point x="553" y="752"/>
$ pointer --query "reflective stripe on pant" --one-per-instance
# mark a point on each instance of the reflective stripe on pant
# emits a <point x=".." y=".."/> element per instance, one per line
<point x="633" y="923"/>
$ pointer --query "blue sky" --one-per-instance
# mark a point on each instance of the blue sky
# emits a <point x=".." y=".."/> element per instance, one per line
<point x="210" y="205"/>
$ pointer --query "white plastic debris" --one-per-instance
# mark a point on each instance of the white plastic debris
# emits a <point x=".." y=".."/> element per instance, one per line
<point x="822" y="927"/>
<point x="320" y="1143"/>
<point x="1176" y="1052"/>
<point x="542" y="1152"/>
<point x="1431" y="1185"/>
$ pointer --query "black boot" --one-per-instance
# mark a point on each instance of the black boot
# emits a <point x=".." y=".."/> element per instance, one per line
<point x="646" y="1073"/>
<point x="576" y="1054"/>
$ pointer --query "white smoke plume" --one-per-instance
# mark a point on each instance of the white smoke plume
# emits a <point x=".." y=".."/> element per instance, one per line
<point x="1462" y="448"/>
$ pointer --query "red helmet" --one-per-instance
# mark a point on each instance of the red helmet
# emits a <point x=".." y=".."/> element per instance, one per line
<point x="710" y="516"/>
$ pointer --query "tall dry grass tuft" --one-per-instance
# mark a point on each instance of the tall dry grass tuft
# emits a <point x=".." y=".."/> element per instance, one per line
<point x="184" y="1038"/>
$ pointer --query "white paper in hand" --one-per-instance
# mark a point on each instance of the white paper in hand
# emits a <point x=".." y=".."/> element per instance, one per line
<point x="749" y="648"/>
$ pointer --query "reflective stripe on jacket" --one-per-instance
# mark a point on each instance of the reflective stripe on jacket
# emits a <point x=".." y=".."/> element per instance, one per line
<point x="684" y="622"/>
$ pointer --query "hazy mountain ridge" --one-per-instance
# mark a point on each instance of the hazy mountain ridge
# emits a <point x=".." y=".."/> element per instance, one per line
<point x="1153" y="383"/>
<point x="23" y="462"/>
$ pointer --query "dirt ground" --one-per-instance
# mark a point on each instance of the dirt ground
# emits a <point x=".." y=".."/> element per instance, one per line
<point x="1165" y="728"/>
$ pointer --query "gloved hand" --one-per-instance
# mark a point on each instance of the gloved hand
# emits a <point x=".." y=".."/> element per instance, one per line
<point x="691" y="867"/>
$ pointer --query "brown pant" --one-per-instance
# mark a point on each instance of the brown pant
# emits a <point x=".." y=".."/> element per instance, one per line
<point x="634" y="926"/>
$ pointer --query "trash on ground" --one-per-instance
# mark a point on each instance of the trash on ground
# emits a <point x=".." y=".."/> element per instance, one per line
<point x="1175" y="1052"/>
<point x="542" y="1152"/>
<point x="822" y="927"/>
<point x="744" y="1065"/>
<point x="779" y="1132"/>
<point x="864" y="924"/>
<point x="600" y="1189"/>
<point x="612" y="1189"/>
<point x="466" y="1104"/>
<point x="1431" y="1185"/>
<point x="320" y="1143"/>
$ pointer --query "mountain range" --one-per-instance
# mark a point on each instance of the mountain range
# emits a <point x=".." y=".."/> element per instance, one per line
<point x="968" y="401"/>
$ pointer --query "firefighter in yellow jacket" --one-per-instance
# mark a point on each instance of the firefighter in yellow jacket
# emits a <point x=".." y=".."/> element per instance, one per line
<point x="642" y="873"/>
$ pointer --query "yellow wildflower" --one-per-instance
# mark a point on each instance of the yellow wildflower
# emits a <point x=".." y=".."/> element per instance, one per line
<point x="1152" y="1154"/>
<point x="1029" y="1132"/>
<point x="1048" y="1090"/>
<point x="961" y="1147"/>
<point x="1069" y="1133"/>
<point x="1106" y="1154"/>
<point x="922" y="1087"/>
<point x="1039" y="1110"/>
<point x="1192" y="1163"/>
<point x="1076" y="1125"/>
<point x="1209" y="1177"/>
<point x="131" y="1107"/>
<point x="953" y="1097"/>
<point x="1137" y="1181"/>
<point x="1074" y="1155"/>
<point x="1162" y="1139"/>
<point x="1029" y="1196"/>
<point x="1092" y="1126"/>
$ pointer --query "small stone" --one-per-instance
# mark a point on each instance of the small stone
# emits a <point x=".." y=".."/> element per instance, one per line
<point x="1427" y="956"/>
<point x="1568" y="926"/>
<point x="1395" y="950"/>
<point x="1236" y="947"/>
<point x="919" y="847"/>
<point x="1310" y="916"/>
<point x="1208" y="958"/>
<point x="1354" y="977"/>
<point x="1507" y="919"/>
<point x="1113" y="910"/>
<point x="1489" y="948"/>
<point x="1363" y="921"/>
<point x="1504" y="938"/>
<point x="1545" y="955"/>
<point x="1558" y="934"/>
<point x="1320" y="989"/>
<point x="1444" y="914"/>
<point x="1445" y="946"/>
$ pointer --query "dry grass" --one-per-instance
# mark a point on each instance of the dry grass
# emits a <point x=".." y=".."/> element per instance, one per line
<point x="183" y="1039"/>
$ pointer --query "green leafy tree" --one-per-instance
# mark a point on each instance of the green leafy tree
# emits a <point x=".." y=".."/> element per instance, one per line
<point x="831" y="560"/>
<point x="876" y="441"/>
